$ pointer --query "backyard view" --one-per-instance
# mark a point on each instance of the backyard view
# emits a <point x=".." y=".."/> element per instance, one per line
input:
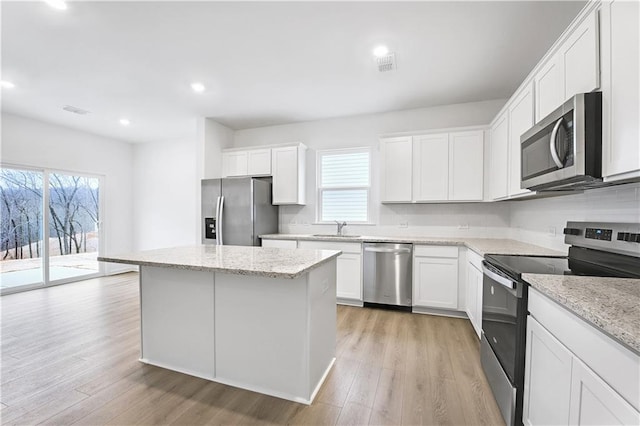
<point x="72" y="235"/>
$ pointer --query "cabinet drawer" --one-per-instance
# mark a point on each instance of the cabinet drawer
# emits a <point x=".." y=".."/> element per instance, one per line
<point x="436" y="251"/>
<point x="355" y="248"/>
<point x="288" y="244"/>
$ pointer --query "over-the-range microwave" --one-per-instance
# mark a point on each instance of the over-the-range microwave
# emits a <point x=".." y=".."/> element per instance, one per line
<point x="564" y="150"/>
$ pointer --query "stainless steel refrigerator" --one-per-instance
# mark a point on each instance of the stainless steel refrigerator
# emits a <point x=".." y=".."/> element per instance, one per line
<point x="235" y="211"/>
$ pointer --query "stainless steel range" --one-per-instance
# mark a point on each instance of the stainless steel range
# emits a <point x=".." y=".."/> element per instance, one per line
<point x="597" y="249"/>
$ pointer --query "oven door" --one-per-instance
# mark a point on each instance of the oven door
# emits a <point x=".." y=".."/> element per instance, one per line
<point x="504" y="315"/>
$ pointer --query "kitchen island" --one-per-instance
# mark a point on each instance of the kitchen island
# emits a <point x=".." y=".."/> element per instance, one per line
<point x="261" y="319"/>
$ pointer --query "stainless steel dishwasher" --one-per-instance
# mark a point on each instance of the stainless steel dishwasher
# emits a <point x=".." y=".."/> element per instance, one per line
<point x="387" y="273"/>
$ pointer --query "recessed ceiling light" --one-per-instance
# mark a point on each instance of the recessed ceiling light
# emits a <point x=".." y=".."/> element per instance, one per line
<point x="57" y="4"/>
<point x="125" y="122"/>
<point x="198" y="87"/>
<point x="7" y="84"/>
<point x="381" y="51"/>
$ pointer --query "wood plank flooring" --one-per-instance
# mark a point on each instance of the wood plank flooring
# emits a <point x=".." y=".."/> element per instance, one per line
<point x="70" y="356"/>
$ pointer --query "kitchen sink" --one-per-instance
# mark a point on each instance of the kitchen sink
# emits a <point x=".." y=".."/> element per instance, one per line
<point x="336" y="235"/>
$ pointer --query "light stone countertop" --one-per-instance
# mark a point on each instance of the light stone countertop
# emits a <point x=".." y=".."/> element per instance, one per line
<point x="481" y="246"/>
<point x="255" y="261"/>
<point x="610" y="304"/>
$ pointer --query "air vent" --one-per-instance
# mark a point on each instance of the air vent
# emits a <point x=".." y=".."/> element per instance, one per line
<point x="386" y="62"/>
<point x="75" y="110"/>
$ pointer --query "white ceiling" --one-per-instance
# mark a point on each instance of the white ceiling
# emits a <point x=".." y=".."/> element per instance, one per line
<point x="263" y="63"/>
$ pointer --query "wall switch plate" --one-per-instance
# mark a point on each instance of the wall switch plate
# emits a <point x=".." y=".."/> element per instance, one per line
<point x="463" y="226"/>
<point x="404" y="224"/>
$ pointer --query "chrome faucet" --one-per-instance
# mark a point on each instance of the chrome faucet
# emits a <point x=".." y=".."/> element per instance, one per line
<point x="340" y="226"/>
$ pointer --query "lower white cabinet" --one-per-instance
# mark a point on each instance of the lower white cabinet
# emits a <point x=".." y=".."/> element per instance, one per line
<point x="474" y="291"/>
<point x="435" y="277"/>
<point x="348" y="269"/>
<point x="288" y="244"/>
<point x="574" y="373"/>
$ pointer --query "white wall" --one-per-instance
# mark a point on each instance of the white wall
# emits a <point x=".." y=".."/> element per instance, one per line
<point x="541" y="221"/>
<point x="365" y="130"/>
<point x="27" y="142"/>
<point x="166" y="191"/>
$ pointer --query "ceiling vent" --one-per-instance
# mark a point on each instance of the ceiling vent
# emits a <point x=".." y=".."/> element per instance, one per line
<point x="386" y="62"/>
<point x="75" y="110"/>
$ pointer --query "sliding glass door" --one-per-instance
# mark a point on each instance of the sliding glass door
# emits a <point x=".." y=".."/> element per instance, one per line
<point x="49" y="232"/>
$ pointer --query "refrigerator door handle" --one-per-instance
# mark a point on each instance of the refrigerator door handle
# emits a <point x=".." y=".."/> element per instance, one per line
<point x="220" y="221"/>
<point x="217" y="222"/>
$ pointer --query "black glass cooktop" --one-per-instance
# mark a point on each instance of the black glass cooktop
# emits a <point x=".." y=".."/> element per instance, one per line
<point x="580" y="262"/>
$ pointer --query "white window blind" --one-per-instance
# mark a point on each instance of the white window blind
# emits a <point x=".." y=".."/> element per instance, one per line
<point x="343" y="185"/>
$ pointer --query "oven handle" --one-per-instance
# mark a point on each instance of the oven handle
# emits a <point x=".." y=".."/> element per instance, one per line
<point x="552" y="144"/>
<point x="500" y="279"/>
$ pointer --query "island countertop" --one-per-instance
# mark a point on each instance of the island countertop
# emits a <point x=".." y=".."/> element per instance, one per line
<point x="255" y="261"/>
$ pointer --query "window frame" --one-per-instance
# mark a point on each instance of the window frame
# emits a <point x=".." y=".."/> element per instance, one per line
<point x="320" y="189"/>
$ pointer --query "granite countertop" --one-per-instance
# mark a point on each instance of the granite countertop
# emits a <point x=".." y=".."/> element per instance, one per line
<point x="255" y="261"/>
<point x="610" y="304"/>
<point x="481" y="246"/>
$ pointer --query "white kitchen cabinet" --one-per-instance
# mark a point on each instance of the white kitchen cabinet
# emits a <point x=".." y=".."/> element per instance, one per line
<point x="474" y="291"/>
<point x="287" y="244"/>
<point x="396" y="169"/>
<point x="288" y="171"/>
<point x="234" y="163"/>
<point x="580" y="58"/>
<point x="348" y="268"/>
<point x="574" y="373"/>
<point x="431" y="167"/>
<point x="547" y="378"/>
<point x="549" y="90"/>
<point x="521" y="116"/>
<point x="620" y="50"/>
<point x="499" y="152"/>
<point x="594" y="402"/>
<point x="466" y="166"/>
<point x="259" y="162"/>
<point x="435" y="277"/>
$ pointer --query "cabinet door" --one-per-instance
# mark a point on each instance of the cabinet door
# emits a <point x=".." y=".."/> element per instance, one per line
<point x="549" y="88"/>
<point x="431" y="167"/>
<point x="594" y="402"/>
<point x="286" y="175"/>
<point x="259" y="162"/>
<point x="349" y="276"/>
<point x="547" y="380"/>
<point x="620" y="38"/>
<point x="499" y="158"/>
<point x="520" y="120"/>
<point x="580" y="56"/>
<point x="474" y="298"/>
<point x="466" y="166"/>
<point x="234" y="163"/>
<point x="396" y="164"/>
<point x="435" y="282"/>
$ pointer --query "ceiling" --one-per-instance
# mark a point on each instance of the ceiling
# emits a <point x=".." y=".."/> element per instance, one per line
<point x="262" y="63"/>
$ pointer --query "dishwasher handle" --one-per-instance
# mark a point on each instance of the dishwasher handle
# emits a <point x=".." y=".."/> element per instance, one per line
<point x="387" y="250"/>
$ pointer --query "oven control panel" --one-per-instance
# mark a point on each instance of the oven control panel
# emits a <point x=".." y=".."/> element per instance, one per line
<point x="622" y="238"/>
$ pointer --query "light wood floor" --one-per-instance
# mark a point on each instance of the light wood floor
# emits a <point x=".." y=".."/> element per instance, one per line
<point x="70" y="356"/>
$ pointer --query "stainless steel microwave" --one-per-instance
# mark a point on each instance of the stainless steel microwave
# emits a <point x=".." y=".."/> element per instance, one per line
<point x="564" y="150"/>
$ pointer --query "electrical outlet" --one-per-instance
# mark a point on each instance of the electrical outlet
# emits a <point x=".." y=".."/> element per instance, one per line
<point x="404" y="224"/>
<point x="465" y="226"/>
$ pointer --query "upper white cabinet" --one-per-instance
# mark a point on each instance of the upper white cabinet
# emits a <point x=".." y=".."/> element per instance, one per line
<point x="574" y="68"/>
<point x="435" y="277"/>
<point x="395" y="161"/>
<point x="234" y="163"/>
<point x="499" y="162"/>
<point x="255" y="162"/>
<point x="520" y="120"/>
<point x="288" y="171"/>
<point x="620" y="49"/>
<point x="433" y="167"/>
<point x="466" y="164"/>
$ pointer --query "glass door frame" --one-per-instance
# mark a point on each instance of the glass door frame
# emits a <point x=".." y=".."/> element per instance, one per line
<point x="45" y="258"/>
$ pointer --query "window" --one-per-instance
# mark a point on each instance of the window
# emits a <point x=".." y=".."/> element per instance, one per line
<point x="344" y="185"/>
